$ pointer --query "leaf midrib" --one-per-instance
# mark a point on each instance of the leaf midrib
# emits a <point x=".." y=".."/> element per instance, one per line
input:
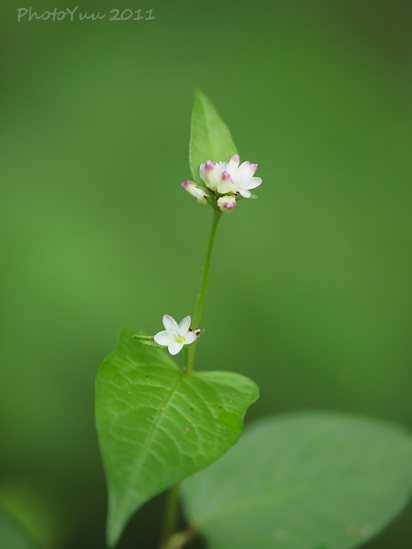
<point x="143" y="453"/>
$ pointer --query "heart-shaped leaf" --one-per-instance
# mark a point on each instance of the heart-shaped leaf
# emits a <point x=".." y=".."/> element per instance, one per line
<point x="304" y="481"/>
<point x="210" y="138"/>
<point x="157" y="425"/>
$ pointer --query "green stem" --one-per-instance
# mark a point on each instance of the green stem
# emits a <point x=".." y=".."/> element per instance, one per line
<point x="185" y="357"/>
<point x="170" y="517"/>
<point x="203" y="285"/>
<point x="180" y="539"/>
<point x="168" y="539"/>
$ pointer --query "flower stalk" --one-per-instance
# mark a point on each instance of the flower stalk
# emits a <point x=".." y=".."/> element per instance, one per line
<point x="203" y="286"/>
<point x="169" y="540"/>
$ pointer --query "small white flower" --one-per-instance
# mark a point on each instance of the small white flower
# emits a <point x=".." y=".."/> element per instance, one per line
<point x="242" y="176"/>
<point x="229" y="177"/>
<point x="175" y="335"/>
<point x="214" y="175"/>
<point x="227" y="203"/>
<point x="195" y="191"/>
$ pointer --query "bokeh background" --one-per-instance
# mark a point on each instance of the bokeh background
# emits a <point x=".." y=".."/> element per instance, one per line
<point x="310" y="289"/>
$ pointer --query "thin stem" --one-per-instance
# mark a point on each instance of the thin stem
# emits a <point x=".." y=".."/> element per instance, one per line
<point x="203" y="285"/>
<point x="185" y="357"/>
<point x="168" y="539"/>
<point x="170" y="517"/>
<point x="180" y="539"/>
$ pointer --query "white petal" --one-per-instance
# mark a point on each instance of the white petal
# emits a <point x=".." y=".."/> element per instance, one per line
<point x="254" y="182"/>
<point x="213" y="178"/>
<point x="201" y="171"/>
<point x="175" y="347"/>
<point x="190" y="337"/>
<point x="169" y="323"/>
<point x="226" y="186"/>
<point x="164" y="338"/>
<point x="244" y="193"/>
<point x="233" y="162"/>
<point x="202" y="198"/>
<point x="246" y="170"/>
<point x="184" y="325"/>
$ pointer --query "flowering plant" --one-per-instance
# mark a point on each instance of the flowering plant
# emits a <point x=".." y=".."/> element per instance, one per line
<point x="299" y="481"/>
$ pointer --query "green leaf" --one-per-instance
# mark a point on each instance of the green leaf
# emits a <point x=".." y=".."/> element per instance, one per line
<point x="157" y="425"/>
<point x="12" y="535"/>
<point x="210" y="138"/>
<point x="304" y="481"/>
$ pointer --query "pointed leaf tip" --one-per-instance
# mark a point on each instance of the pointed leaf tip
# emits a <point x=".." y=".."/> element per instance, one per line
<point x="210" y="138"/>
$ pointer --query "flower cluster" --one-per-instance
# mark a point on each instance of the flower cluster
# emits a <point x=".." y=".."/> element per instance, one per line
<point x="225" y="180"/>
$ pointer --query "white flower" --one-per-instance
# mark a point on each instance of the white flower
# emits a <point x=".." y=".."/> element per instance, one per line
<point x="242" y="176"/>
<point x="175" y="335"/>
<point x="229" y="177"/>
<point x="227" y="203"/>
<point x="195" y="191"/>
<point x="214" y="174"/>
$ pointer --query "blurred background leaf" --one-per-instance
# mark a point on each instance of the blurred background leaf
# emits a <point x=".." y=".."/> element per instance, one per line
<point x="303" y="480"/>
<point x="12" y="534"/>
<point x="310" y="284"/>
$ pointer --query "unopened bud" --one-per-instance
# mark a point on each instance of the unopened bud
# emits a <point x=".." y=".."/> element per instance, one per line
<point x="227" y="203"/>
<point x="211" y="174"/>
<point x="195" y="191"/>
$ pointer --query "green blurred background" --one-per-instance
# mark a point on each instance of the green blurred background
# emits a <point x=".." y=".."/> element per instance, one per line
<point x="310" y="285"/>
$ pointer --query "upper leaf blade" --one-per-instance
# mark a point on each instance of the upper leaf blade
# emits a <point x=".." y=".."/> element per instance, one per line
<point x="157" y="425"/>
<point x="210" y="138"/>
<point x="304" y="480"/>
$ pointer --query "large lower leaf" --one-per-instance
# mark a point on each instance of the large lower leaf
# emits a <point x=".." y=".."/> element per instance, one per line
<point x="210" y="138"/>
<point x="305" y="481"/>
<point x="12" y="535"/>
<point x="157" y="425"/>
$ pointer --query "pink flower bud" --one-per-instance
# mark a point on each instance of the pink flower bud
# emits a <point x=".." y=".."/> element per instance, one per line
<point x="194" y="190"/>
<point x="227" y="203"/>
